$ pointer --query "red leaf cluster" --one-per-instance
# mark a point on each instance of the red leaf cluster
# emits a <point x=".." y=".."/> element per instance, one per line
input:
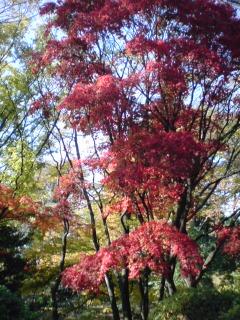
<point x="229" y="238"/>
<point x="16" y="208"/>
<point x="149" y="246"/>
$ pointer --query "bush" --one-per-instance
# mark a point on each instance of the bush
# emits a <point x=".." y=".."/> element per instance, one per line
<point x="12" y="306"/>
<point x="199" y="304"/>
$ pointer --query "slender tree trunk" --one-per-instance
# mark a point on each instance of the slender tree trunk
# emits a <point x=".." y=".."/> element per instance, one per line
<point x="162" y="288"/>
<point x="143" y="287"/>
<point x="180" y="224"/>
<point x="171" y="286"/>
<point x="182" y="211"/>
<point x="55" y="287"/>
<point x="110" y="288"/>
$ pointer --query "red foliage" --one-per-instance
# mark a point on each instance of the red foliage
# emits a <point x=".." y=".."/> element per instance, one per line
<point x="44" y="104"/>
<point x="229" y="238"/>
<point x="107" y="103"/>
<point x="16" y="208"/>
<point x="206" y="19"/>
<point x="121" y="206"/>
<point x="34" y="214"/>
<point x="161" y="141"/>
<point x="149" y="246"/>
<point x="71" y="183"/>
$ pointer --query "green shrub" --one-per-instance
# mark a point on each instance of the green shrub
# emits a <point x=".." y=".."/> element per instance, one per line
<point x="199" y="304"/>
<point x="12" y="306"/>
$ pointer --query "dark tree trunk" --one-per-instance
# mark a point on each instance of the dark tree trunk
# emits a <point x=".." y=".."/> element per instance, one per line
<point x="124" y="289"/>
<point x="162" y="288"/>
<point x="143" y="287"/>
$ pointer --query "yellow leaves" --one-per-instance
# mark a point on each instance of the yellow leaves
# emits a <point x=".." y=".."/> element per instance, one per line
<point x="20" y="167"/>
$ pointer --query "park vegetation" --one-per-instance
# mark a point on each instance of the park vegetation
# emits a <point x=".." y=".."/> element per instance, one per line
<point x="119" y="160"/>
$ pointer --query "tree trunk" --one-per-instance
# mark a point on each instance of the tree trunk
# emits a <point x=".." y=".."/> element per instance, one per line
<point x="162" y="288"/>
<point x="143" y="286"/>
<point x="124" y="289"/>
<point x="55" y="287"/>
<point x="171" y="285"/>
<point x="112" y="297"/>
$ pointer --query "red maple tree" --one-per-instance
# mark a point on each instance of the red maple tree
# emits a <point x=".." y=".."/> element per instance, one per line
<point x="159" y="80"/>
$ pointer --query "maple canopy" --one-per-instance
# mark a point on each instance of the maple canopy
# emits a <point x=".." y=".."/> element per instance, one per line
<point x="147" y="247"/>
<point x="158" y="82"/>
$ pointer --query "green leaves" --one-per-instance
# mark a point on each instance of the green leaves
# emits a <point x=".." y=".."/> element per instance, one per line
<point x="20" y="168"/>
<point x="199" y="304"/>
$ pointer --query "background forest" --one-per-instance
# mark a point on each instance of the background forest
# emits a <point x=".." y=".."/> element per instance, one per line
<point x="119" y="159"/>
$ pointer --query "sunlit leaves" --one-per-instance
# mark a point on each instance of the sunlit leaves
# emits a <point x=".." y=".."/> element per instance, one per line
<point x="149" y="246"/>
